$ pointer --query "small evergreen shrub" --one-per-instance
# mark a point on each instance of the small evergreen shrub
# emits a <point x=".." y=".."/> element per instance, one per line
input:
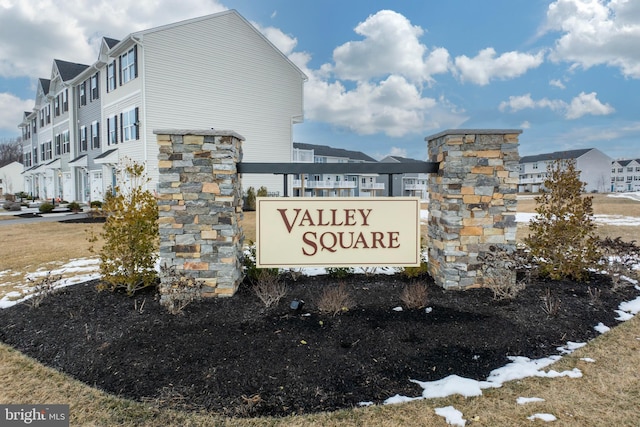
<point x="262" y="192"/>
<point x="130" y="233"/>
<point x="339" y="272"/>
<point x="250" y="200"/>
<point x="46" y="207"/>
<point x="562" y="239"/>
<point x="95" y="204"/>
<point x="74" y="207"/>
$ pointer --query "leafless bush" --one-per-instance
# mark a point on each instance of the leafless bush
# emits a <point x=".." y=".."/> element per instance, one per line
<point x="414" y="295"/>
<point x="335" y="299"/>
<point x="594" y="295"/>
<point x="618" y="260"/>
<point x="269" y="288"/>
<point x="503" y="286"/>
<point x="177" y="290"/>
<point x="550" y="304"/>
<point x="42" y="288"/>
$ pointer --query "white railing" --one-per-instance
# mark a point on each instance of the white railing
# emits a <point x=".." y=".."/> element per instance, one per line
<point x="297" y="183"/>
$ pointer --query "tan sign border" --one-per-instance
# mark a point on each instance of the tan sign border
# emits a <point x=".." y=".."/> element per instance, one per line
<point x="275" y="231"/>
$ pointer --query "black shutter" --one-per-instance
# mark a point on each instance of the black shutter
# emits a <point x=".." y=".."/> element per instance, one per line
<point x="97" y="84"/>
<point x="115" y="126"/>
<point x="98" y="134"/>
<point x="135" y="60"/>
<point x="121" y="130"/>
<point x="120" y="72"/>
<point x="108" y="130"/>
<point x="137" y="125"/>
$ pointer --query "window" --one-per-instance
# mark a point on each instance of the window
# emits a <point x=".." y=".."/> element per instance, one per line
<point x="56" y="107"/>
<point x="637" y="167"/>
<point x="58" y="147"/>
<point x="620" y="170"/>
<point x="34" y="127"/>
<point x="46" y="151"/>
<point x="95" y="135"/>
<point x="27" y="159"/>
<point x="66" y="145"/>
<point x="613" y="170"/>
<point x="629" y="178"/>
<point x="128" y="65"/>
<point x="112" y="132"/>
<point x="47" y="113"/>
<point x="82" y="93"/>
<point x="41" y="114"/>
<point x="65" y="101"/>
<point x="93" y="84"/>
<point x="129" y="125"/>
<point x="35" y="155"/>
<point x="111" y="76"/>
<point x="83" y="138"/>
<point x="629" y="169"/>
<point x="535" y="166"/>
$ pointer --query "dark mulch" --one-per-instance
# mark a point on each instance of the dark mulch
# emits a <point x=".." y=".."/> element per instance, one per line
<point x="234" y="357"/>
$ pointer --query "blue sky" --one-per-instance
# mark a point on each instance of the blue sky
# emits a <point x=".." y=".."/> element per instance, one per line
<point x="383" y="75"/>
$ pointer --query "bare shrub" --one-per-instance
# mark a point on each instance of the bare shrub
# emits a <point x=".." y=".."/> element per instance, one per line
<point x="594" y="295"/>
<point x="550" y="304"/>
<point x="503" y="287"/>
<point x="618" y="260"/>
<point x="42" y="288"/>
<point x="414" y="295"/>
<point x="177" y="290"/>
<point x="335" y="299"/>
<point x="269" y="288"/>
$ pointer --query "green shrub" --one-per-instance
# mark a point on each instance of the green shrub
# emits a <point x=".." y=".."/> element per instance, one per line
<point x="562" y="239"/>
<point x="96" y="204"/>
<point x="74" y="206"/>
<point x="339" y="272"/>
<point x="262" y="192"/>
<point x="46" y="207"/>
<point x="130" y="233"/>
<point x="250" y="200"/>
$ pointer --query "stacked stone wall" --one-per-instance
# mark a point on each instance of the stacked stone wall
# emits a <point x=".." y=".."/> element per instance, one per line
<point x="472" y="203"/>
<point x="200" y="207"/>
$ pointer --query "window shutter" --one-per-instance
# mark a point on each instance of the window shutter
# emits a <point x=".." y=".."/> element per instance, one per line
<point x="108" y="130"/>
<point x="97" y="84"/>
<point x="98" y="134"/>
<point x="137" y="125"/>
<point x="120" y="72"/>
<point x="135" y="60"/>
<point x="121" y="130"/>
<point x="115" y="126"/>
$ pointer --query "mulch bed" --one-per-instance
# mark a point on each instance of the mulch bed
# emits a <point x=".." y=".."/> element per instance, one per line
<point x="235" y="357"/>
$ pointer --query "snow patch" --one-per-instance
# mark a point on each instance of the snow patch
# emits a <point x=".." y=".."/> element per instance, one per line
<point x="544" y="417"/>
<point x="602" y="328"/>
<point x="452" y="416"/>
<point x="525" y="400"/>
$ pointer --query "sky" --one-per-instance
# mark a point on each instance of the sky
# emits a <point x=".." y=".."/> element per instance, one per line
<point x="383" y="75"/>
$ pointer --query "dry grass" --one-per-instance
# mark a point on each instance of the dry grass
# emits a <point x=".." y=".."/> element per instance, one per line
<point x="607" y="394"/>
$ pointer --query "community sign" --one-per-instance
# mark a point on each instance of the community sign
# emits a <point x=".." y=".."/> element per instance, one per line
<point x="337" y="232"/>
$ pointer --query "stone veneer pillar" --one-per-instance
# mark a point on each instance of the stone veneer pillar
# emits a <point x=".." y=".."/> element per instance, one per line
<point x="200" y="206"/>
<point x="472" y="202"/>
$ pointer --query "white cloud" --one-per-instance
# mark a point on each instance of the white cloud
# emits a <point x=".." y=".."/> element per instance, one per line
<point x="396" y="151"/>
<point x="587" y="103"/>
<point x="485" y="66"/>
<point x="391" y="45"/>
<point x="517" y="103"/>
<point x="72" y="29"/>
<point x="581" y="105"/>
<point x="525" y="125"/>
<point x="597" y="32"/>
<point x="557" y="83"/>
<point x="11" y="110"/>
<point x="282" y="41"/>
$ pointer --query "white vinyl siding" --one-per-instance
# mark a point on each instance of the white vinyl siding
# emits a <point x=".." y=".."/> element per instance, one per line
<point x="220" y="73"/>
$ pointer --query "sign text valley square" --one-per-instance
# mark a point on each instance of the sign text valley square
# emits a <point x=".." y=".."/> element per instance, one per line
<point x="338" y="231"/>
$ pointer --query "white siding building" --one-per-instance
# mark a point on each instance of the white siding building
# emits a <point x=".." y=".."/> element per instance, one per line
<point x="593" y="164"/>
<point x="216" y="71"/>
<point x="625" y="175"/>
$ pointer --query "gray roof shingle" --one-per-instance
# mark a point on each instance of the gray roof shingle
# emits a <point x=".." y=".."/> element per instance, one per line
<point x="557" y="155"/>
<point x="68" y="70"/>
<point x="324" y="150"/>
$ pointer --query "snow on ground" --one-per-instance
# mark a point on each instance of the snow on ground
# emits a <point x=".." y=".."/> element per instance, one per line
<point x="633" y="196"/>
<point x="598" y="219"/>
<point x="452" y="416"/>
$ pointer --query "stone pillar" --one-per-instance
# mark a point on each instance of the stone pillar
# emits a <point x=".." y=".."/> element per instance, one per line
<point x="200" y="206"/>
<point x="472" y="202"/>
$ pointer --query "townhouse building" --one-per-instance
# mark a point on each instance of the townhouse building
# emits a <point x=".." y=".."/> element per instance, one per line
<point x="217" y="71"/>
<point x="326" y="185"/>
<point x="407" y="184"/>
<point x="625" y="175"/>
<point x="593" y="164"/>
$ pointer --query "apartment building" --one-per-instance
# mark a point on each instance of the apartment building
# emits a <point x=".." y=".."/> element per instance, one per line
<point x="326" y="185"/>
<point x="625" y="175"/>
<point x="593" y="164"/>
<point x="216" y="71"/>
<point x="407" y="184"/>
